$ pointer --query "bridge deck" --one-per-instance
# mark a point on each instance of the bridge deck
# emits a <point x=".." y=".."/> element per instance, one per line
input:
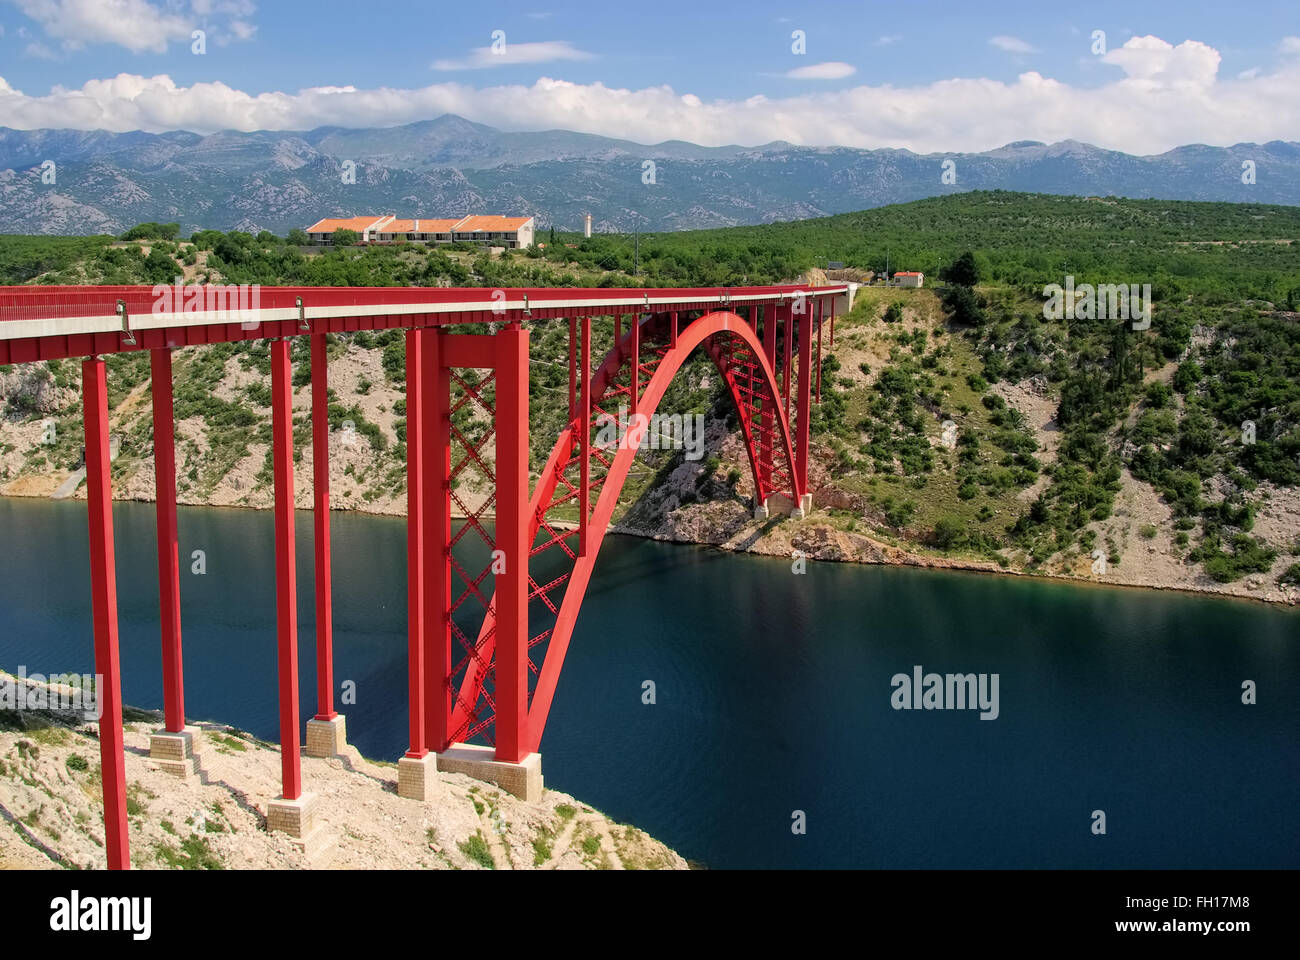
<point x="53" y="322"/>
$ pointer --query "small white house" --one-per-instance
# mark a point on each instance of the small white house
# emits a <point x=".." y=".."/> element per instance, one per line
<point x="908" y="278"/>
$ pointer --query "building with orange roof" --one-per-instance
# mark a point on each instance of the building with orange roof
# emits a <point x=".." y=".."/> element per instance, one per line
<point x="498" y="231"/>
<point x="491" y="230"/>
<point x="322" y="231"/>
<point x="434" y="231"/>
<point x="395" y="230"/>
<point x="909" y="278"/>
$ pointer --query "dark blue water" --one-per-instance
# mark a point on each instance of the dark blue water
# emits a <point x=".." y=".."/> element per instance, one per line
<point x="773" y="693"/>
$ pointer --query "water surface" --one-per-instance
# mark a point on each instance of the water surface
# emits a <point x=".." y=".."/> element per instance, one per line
<point x="773" y="693"/>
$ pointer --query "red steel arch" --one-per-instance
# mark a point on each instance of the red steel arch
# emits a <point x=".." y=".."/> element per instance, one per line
<point x="734" y="346"/>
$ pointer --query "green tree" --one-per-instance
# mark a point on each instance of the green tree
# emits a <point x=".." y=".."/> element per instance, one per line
<point x="152" y="231"/>
<point x="963" y="271"/>
<point x="963" y="305"/>
<point x="949" y="532"/>
<point x="344" y="238"/>
<point x="159" y="267"/>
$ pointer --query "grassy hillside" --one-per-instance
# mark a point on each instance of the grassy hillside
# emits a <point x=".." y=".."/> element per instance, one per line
<point x="1023" y="240"/>
<point x="1073" y="443"/>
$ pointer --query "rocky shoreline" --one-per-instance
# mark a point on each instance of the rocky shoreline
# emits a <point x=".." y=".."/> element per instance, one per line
<point x="727" y="525"/>
<point x="50" y="800"/>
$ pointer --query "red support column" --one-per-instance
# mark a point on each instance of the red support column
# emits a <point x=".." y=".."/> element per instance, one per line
<point x="573" y="366"/>
<point x="103" y="596"/>
<point x="770" y="314"/>
<point x="584" y="438"/>
<point x="169" y="571"/>
<point x="415" y="542"/>
<point x="672" y="331"/>
<point x="787" y="318"/>
<point x="768" y="418"/>
<point x="820" y="317"/>
<point x="635" y="380"/>
<point x="832" y="321"/>
<point x="437" y="542"/>
<point x="804" y="399"/>
<point x="320" y="452"/>
<point x="512" y="541"/>
<point x="286" y="583"/>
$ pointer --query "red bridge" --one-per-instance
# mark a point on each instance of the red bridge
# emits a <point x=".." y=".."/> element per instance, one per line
<point x="493" y="687"/>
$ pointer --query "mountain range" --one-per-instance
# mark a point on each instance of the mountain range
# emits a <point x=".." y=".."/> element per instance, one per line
<point x="106" y="182"/>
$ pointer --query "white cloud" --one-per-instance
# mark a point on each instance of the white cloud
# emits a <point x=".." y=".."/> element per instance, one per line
<point x="134" y="24"/>
<point x="1151" y="62"/>
<point x="1012" y="44"/>
<point x="1290" y="46"/>
<point x="888" y="39"/>
<point x="546" y="51"/>
<point x="138" y="25"/>
<point x="233" y="8"/>
<point x="1159" y="96"/>
<point x="832" y="70"/>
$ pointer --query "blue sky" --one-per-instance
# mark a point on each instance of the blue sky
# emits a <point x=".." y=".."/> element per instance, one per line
<point x="873" y="74"/>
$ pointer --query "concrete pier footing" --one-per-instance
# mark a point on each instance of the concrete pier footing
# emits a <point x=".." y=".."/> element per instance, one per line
<point x="522" y="779"/>
<point x="326" y="738"/>
<point x="780" y="505"/>
<point x="176" y="752"/>
<point x="416" y="777"/>
<point x="297" y="818"/>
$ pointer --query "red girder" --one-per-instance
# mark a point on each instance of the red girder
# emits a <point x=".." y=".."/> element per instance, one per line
<point x="48" y="322"/>
<point x="733" y="346"/>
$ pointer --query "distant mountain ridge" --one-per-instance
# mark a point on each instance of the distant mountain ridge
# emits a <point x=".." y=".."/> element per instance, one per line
<point x="106" y="182"/>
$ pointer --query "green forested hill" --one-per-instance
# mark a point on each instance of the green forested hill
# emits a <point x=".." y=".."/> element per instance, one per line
<point x="1021" y="239"/>
<point x="1024" y="240"/>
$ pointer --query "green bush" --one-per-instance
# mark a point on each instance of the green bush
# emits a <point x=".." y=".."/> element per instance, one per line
<point x="949" y="532"/>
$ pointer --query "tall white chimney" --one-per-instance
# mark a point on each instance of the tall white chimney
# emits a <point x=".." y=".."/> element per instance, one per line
<point x="586" y="225"/>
